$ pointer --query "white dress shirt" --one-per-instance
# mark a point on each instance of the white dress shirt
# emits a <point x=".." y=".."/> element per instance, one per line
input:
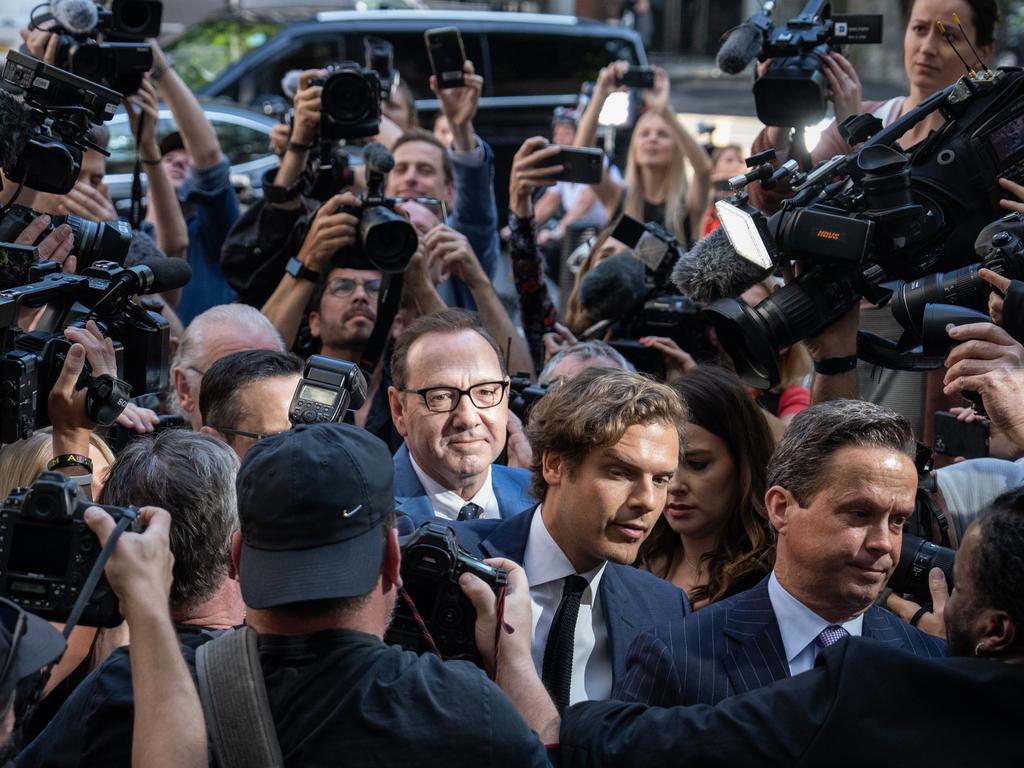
<point x="546" y="567"/>
<point x="447" y="504"/>
<point x="800" y="627"/>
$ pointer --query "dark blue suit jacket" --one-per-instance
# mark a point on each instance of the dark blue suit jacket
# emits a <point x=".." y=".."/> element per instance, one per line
<point x="633" y="601"/>
<point x="511" y="489"/>
<point x="735" y="646"/>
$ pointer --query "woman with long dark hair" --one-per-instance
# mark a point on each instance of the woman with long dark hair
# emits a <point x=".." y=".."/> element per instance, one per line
<point x="713" y="538"/>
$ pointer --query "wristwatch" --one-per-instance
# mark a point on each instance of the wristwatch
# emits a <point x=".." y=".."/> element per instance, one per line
<point x="300" y="271"/>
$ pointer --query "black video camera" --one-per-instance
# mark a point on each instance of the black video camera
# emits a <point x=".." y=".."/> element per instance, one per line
<point x="349" y="102"/>
<point x="329" y="388"/>
<point x="31" y="361"/>
<point x="122" y="58"/>
<point x="56" y="112"/>
<point x="432" y="562"/>
<point x="47" y="551"/>
<point x="861" y="221"/>
<point x="523" y="394"/>
<point x="792" y="90"/>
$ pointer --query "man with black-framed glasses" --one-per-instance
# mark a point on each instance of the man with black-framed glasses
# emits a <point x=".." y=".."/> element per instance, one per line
<point x="449" y="402"/>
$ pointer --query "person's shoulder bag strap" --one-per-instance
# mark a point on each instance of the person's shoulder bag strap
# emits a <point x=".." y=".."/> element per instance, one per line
<point x="235" y="704"/>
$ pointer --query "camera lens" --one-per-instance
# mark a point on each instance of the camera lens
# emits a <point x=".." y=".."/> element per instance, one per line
<point x="388" y="239"/>
<point x="917" y="558"/>
<point x="133" y="17"/>
<point x="97" y="240"/>
<point x="961" y="287"/>
<point x="348" y="98"/>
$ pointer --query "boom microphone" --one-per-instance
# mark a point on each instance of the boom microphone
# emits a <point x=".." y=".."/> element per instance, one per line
<point x="713" y="270"/>
<point x="740" y="48"/>
<point x="377" y="157"/>
<point x="18" y="127"/>
<point x="79" y="17"/>
<point x="159" y="275"/>
<point x="614" y="289"/>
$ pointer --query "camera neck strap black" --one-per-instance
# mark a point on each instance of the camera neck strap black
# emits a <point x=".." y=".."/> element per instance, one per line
<point x="387" y="309"/>
<point x="97" y="572"/>
<point x="135" y="215"/>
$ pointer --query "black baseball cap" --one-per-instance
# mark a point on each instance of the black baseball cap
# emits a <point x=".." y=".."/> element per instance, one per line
<point x="171" y="142"/>
<point x="312" y="503"/>
<point x="27" y="644"/>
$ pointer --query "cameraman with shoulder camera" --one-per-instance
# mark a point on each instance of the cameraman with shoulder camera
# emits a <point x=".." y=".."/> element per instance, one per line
<point x="193" y="476"/>
<point x="319" y="564"/>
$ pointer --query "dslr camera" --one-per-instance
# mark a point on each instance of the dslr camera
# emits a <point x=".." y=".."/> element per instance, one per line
<point x="94" y="240"/>
<point x="432" y="562"/>
<point x="121" y="60"/>
<point x="349" y="102"/>
<point x="48" y="551"/>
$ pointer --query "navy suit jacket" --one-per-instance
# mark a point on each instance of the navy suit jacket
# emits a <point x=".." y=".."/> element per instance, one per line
<point x="735" y="646"/>
<point x="511" y="489"/>
<point x="633" y="601"/>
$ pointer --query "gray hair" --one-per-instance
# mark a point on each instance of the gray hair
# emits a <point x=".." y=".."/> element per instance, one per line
<point x="249" y="321"/>
<point x="192" y="476"/>
<point x="802" y="460"/>
<point x="587" y="350"/>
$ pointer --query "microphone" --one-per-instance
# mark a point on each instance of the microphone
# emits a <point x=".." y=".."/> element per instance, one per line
<point x="615" y="288"/>
<point x="378" y="158"/>
<point x="19" y="128"/>
<point x="713" y="270"/>
<point x="740" y="48"/>
<point x="79" y="17"/>
<point x="290" y="83"/>
<point x="160" y="275"/>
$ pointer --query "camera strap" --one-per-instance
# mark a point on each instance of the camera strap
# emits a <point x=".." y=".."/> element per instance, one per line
<point x="97" y="571"/>
<point x="387" y="309"/>
<point x="135" y="215"/>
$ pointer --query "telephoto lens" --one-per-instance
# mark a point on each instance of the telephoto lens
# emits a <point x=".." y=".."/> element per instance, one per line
<point x="917" y="558"/>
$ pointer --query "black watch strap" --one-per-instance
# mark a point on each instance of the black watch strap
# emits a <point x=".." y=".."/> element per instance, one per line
<point x="273" y="193"/>
<point x="300" y="271"/>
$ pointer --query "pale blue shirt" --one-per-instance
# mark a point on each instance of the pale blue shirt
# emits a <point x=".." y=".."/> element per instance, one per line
<point x="800" y="627"/>
<point x="447" y="503"/>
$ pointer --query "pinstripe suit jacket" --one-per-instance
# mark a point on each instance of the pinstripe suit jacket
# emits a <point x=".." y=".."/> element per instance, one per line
<point x="732" y="647"/>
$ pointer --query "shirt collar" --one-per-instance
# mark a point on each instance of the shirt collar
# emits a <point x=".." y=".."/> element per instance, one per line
<point x="545" y="562"/>
<point x="798" y="624"/>
<point x="448" y="503"/>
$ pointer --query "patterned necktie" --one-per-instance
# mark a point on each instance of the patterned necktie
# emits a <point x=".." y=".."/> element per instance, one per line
<point x="556" y="670"/>
<point x="470" y="511"/>
<point x="831" y="634"/>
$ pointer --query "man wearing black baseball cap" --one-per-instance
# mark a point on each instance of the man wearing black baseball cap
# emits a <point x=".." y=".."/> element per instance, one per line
<point x="318" y="560"/>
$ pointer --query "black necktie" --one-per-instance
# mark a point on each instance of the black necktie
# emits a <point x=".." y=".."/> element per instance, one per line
<point x="470" y="511"/>
<point x="556" y="670"/>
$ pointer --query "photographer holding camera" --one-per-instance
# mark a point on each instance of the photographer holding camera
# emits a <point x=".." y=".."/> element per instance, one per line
<point x="193" y="476"/>
<point x="319" y="565"/>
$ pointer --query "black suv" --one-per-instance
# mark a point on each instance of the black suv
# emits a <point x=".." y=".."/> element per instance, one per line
<point x="531" y="63"/>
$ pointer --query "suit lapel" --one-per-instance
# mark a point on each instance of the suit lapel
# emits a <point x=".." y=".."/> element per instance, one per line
<point x="509" y="538"/>
<point x="756" y="656"/>
<point x="512" y="497"/>
<point x="418" y="508"/>
<point x="406" y="482"/>
<point x="881" y="626"/>
<point x="619" y="614"/>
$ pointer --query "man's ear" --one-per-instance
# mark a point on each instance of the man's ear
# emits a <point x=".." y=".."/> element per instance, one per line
<point x="314" y="324"/>
<point x="397" y="411"/>
<point x="213" y="433"/>
<point x="553" y="468"/>
<point x="391" y="565"/>
<point x="189" y="399"/>
<point x="998" y="630"/>
<point x="777" y="501"/>
<point x="236" y="554"/>
<point x="449" y="194"/>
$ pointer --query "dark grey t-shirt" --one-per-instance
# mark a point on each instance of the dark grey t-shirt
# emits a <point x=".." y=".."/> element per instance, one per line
<point x="345" y="698"/>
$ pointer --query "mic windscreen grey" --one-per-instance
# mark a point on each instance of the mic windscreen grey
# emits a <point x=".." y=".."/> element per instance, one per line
<point x="290" y="83"/>
<point x="18" y="128"/>
<point x="168" y="274"/>
<point x="712" y="270"/>
<point x="613" y="289"/>
<point x="377" y="156"/>
<point x="76" y="16"/>
<point x="740" y="48"/>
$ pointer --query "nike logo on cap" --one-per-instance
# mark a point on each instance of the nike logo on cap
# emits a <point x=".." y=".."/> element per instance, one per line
<point x="349" y="512"/>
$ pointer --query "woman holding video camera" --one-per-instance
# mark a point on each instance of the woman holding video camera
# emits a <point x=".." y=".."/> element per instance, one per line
<point x="660" y="149"/>
<point x="713" y="540"/>
<point x="930" y="63"/>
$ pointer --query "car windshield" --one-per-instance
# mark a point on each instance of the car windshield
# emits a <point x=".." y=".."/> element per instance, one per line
<point x="207" y="49"/>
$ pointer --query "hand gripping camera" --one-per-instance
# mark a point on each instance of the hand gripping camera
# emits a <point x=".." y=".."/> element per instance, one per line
<point x="47" y="551"/>
<point x="432" y="562"/>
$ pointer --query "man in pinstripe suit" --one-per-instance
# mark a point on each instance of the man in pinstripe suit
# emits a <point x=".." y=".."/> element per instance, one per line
<point x="842" y="484"/>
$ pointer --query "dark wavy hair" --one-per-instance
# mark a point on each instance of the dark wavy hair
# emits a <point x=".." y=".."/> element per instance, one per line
<point x="720" y="403"/>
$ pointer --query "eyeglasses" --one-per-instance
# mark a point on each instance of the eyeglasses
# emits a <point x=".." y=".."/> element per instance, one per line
<point x="15" y="622"/>
<point x="242" y="433"/>
<point x="446" y="399"/>
<point x="344" y="286"/>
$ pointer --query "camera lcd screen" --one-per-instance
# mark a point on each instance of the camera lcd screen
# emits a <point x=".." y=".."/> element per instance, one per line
<point x="1008" y="138"/>
<point x="40" y="549"/>
<point x="318" y="394"/>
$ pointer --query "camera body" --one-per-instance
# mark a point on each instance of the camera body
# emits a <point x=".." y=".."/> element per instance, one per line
<point x="349" y="102"/>
<point x="523" y="394"/>
<point x="329" y="388"/>
<point x="48" y="552"/>
<point x="432" y="562"/>
<point x="792" y="90"/>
